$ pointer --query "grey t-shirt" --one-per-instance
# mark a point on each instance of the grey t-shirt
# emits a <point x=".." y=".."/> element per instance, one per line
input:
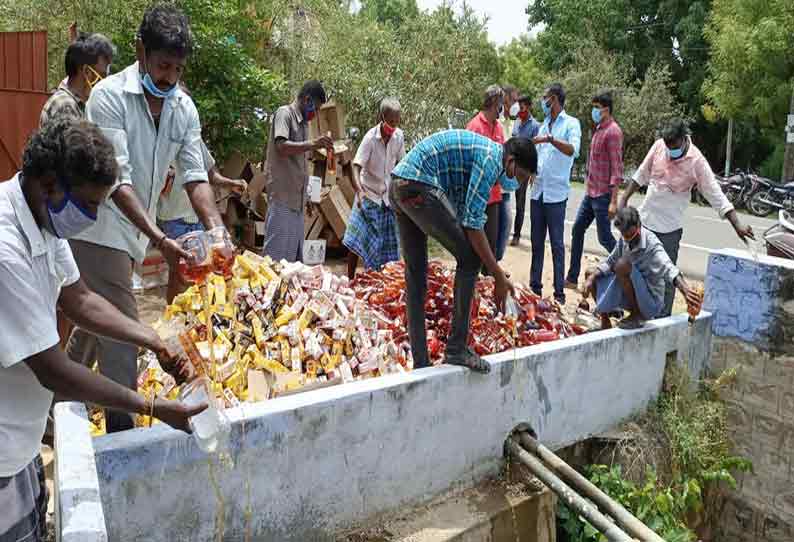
<point x="287" y="176"/>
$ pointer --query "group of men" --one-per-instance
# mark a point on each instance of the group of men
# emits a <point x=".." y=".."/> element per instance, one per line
<point x="119" y="164"/>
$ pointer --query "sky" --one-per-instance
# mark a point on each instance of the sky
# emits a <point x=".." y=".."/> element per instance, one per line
<point x="506" y="18"/>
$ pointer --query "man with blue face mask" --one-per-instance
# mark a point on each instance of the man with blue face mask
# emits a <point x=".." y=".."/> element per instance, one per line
<point x="68" y="169"/>
<point x="151" y="123"/>
<point x="673" y="166"/>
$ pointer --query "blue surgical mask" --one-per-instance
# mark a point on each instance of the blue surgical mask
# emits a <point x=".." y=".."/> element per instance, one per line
<point x="546" y="106"/>
<point x="68" y="218"/>
<point x="152" y="89"/>
<point x="596" y="114"/>
<point x="675" y="153"/>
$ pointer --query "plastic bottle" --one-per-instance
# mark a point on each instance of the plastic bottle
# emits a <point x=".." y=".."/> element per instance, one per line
<point x="211" y="428"/>
<point x="694" y="310"/>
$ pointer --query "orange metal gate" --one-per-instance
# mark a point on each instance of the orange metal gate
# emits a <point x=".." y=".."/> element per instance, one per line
<point x="23" y="91"/>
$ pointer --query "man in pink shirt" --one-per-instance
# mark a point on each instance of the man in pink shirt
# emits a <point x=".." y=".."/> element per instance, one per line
<point x="486" y="123"/>
<point x="604" y="175"/>
<point x="672" y="167"/>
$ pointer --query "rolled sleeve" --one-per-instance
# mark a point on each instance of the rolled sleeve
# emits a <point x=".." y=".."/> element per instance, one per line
<point x="190" y="158"/>
<point x="664" y="264"/>
<point x="574" y="136"/>
<point x="108" y="112"/>
<point x="710" y="189"/>
<point x="615" y="151"/>
<point x="481" y="181"/>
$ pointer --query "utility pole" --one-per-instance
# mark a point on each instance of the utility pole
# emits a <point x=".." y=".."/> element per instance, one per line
<point x="788" y="159"/>
<point x="729" y="148"/>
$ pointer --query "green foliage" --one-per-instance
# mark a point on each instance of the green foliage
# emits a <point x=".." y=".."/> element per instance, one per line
<point x="520" y="67"/>
<point x="773" y="165"/>
<point x="390" y="12"/>
<point x="693" y="424"/>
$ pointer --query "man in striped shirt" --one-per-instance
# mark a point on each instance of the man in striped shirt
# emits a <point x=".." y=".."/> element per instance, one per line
<point x="441" y="189"/>
<point x="604" y="175"/>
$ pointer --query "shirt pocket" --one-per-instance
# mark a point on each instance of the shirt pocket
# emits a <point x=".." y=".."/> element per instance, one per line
<point x="178" y="129"/>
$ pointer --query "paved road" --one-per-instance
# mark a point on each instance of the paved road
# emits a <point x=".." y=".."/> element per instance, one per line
<point x="703" y="231"/>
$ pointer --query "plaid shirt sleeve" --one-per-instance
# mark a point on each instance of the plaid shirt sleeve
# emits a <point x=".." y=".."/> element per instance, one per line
<point x="483" y="176"/>
<point x="614" y="145"/>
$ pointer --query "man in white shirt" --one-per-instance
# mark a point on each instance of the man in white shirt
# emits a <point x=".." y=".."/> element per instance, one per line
<point x="372" y="230"/>
<point x="672" y="167"/>
<point x="68" y="169"/>
<point x="151" y="123"/>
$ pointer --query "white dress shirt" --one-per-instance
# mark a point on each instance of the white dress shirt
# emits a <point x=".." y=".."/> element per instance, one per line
<point x="377" y="162"/>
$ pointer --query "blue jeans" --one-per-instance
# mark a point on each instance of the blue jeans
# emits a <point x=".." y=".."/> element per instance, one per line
<point x="590" y="209"/>
<point x="504" y="222"/>
<point x="547" y="217"/>
<point x="610" y="295"/>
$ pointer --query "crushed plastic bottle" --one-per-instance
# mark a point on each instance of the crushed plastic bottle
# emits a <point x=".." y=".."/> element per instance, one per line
<point x="211" y="428"/>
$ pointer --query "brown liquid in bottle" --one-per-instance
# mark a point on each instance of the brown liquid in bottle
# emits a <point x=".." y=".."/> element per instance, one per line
<point x="331" y="164"/>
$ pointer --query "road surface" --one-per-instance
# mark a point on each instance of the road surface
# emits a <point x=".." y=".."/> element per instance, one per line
<point x="704" y="231"/>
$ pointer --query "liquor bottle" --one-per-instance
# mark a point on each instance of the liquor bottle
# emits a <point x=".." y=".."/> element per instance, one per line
<point x="331" y="162"/>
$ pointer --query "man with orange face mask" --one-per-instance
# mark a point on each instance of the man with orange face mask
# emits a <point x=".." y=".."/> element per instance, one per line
<point x="635" y="275"/>
<point x="87" y="62"/>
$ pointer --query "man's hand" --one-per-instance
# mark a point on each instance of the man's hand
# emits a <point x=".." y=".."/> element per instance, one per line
<point x="589" y="285"/>
<point x="502" y="287"/>
<point x="323" y="142"/>
<point x="744" y="232"/>
<point x="613" y="209"/>
<point x="176" y="414"/>
<point x="174" y="363"/>
<point x="692" y="298"/>
<point x="172" y="252"/>
<point x="238" y="186"/>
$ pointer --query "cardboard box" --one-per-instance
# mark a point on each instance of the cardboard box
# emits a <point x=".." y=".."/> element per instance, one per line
<point x="317" y="228"/>
<point x="345" y="184"/>
<point x="331" y="238"/>
<point x="314" y="252"/>
<point x="336" y="211"/>
<point x="330" y="177"/>
<point x="151" y="273"/>
<point x="234" y="165"/>
<point x="331" y="118"/>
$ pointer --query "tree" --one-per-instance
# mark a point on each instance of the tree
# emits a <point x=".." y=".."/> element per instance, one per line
<point x="392" y="12"/>
<point x="520" y="66"/>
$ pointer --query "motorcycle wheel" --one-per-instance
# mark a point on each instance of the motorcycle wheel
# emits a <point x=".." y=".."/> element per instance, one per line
<point x="758" y="207"/>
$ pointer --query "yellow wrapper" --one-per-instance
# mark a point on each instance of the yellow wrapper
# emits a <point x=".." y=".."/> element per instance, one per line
<point x="284" y="317"/>
<point x="256" y="281"/>
<point x="220" y="290"/>
<point x="267" y="272"/>
<point x="285" y="350"/>
<point x="259" y="335"/>
<point x="306" y="318"/>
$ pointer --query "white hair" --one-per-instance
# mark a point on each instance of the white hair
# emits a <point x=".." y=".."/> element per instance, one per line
<point x="390" y="104"/>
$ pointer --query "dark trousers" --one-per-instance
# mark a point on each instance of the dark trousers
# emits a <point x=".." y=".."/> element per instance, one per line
<point x="590" y="209"/>
<point x="423" y="211"/>
<point x="671" y="243"/>
<point x="547" y="217"/>
<point x="492" y="225"/>
<point x="504" y="222"/>
<point x="521" y="208"/>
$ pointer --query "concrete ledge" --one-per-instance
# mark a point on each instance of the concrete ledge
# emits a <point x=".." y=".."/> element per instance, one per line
<point x="308" y="465"/>
<point x="78" y="505"/>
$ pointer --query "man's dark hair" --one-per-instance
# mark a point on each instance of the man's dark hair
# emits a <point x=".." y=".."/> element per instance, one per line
<point x="165" y="28"/>
<point x="627" y="218"/>
<point x="87" y="49"/>
<point x="526" y="100"/>
<point x="523" y="150"/>
<point x="604" y="99"/>
<point x="314" y="90"/>
<point x="76" y="151"/>
<point x="674" y="130"/>
<point x="557" y="90"/>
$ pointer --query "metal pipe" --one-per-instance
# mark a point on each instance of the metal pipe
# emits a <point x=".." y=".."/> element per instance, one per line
<point x="572" y="499"/>
<point x="625" y="519"/>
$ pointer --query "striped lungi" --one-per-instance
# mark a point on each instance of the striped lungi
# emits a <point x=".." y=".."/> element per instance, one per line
<point x="283" y="232"/>
<point x="23" y="501"/>
<point x="372" y="233"/>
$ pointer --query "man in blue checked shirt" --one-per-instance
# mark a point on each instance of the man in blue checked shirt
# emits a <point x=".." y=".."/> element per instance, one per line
<point x="441" y="189"/>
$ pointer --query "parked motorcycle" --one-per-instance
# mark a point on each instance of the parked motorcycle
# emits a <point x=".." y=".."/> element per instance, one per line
<point x="738" y="188"/>
<point x="770" y="197"/>
<point x="780" y="237"/>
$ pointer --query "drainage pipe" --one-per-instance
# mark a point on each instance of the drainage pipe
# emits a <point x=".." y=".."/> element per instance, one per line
<point x="625" y="519"/>
<point x="572" y="499"/>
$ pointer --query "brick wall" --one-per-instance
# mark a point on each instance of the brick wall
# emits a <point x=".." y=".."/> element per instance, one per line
<point x="753" y="328"/>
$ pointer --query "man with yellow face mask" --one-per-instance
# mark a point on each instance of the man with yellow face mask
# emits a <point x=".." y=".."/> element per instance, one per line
<point x="87" y="62"/>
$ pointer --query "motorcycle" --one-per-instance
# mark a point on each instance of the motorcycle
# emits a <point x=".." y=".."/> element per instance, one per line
<point x="780" y="237"/>
<point x="738" y="188"/>
<point x="771" y="196"/>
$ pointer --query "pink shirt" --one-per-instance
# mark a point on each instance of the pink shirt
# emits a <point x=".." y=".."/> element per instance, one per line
<point x="481" y="125"/>
<point x="669" y="185"/>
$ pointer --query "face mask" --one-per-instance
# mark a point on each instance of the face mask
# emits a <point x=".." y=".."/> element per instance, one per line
<point x="674" y="154"/>
<point x="523" y="115"/>
<point x="91" y="82"/>
<point x="633" y="237"/>
<point x="546" y="106"/>
<point x="514" y="110"/>
<point x="388" y="129"/>
<point x="68" y="218"/>
<point x="152" y="89"/>
<point x="596" y="114"/>
<point x="308" y="111"/>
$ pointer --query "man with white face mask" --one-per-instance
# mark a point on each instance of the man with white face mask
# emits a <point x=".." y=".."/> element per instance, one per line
<point x="68" y="169"/>
<point x="151" y="123"/>
<point x="672" y="167"/>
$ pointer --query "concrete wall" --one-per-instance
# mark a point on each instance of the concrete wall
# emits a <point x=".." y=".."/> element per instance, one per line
<point x="309" y="464"/>
<point x="753" y="327"/>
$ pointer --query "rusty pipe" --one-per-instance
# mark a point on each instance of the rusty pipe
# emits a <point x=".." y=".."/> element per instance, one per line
<point x="572" y="499"/>
<point x="625" y="519"/>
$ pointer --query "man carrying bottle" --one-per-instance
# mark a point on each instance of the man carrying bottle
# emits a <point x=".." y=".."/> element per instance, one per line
<point x="68" y="170"/>
<point x="151" y="123"/>
<point x="441" y="190"/>
<point x="287" y="177"/>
